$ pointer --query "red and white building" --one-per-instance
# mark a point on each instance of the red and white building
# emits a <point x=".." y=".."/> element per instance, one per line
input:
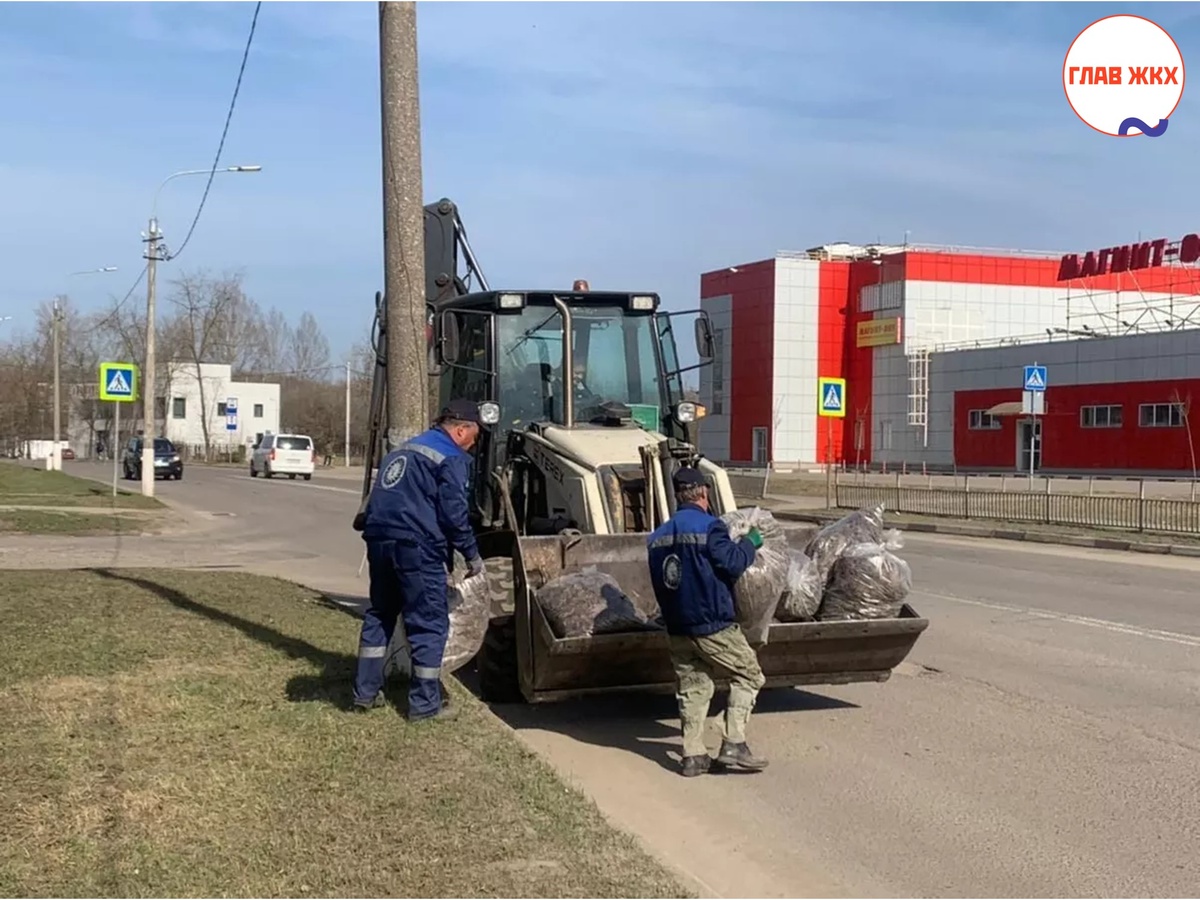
<point x="932" y="343"/>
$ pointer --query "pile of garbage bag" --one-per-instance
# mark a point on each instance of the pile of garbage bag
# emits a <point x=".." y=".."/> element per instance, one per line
<point x="470" y="604"/>
<point x="588" y="602"/>
<point x="847" y="570"/>
<point x="868" y="581"/>
<point x="756" y="594"/>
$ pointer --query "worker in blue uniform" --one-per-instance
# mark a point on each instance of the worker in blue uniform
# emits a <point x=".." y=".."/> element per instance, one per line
<point x="414" y="520"/>
<point x="693" y="565"/>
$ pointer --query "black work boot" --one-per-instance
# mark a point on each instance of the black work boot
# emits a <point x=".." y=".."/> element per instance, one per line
<point x="374" y="703"/>
<point x="445" y="714"/>
<point x="738" y="756"/>
<point x="696" y="765"/>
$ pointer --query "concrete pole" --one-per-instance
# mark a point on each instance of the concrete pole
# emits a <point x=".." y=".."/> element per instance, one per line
<point x="148" y="381"/>
<point x="347" y="447"/>
<point x="56" y="451"/>
<point x="403" y="223"/>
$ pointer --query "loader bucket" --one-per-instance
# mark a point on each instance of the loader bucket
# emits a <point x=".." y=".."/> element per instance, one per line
<point x="553" y="668"/>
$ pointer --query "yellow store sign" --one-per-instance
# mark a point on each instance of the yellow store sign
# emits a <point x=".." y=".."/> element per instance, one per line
<point x="878" y="332"/>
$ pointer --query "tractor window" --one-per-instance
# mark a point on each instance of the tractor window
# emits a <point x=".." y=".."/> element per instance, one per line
<point x="469" y="379"/>
<point x="614" y="359"/>
<point x="670" y="357"/>
<point x="530" y="351"/>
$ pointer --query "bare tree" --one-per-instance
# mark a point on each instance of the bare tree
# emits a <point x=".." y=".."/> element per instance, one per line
<point x="310" y="350"/>
<point x="214" y="321"/>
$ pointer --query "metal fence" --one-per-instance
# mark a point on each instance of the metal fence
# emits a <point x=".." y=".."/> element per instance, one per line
<point x="1138" y="513"/>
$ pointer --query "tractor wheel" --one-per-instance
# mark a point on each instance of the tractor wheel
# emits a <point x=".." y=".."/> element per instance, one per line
<point x="499" y="680"/>
<point x="501" y="585"/>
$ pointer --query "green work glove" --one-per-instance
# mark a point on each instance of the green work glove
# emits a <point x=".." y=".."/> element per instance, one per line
<point x="755" y="538"/>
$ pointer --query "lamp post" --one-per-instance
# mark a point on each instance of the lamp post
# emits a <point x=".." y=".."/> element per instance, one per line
<point x="153" y="239"/>
<point x="55" y="461"/>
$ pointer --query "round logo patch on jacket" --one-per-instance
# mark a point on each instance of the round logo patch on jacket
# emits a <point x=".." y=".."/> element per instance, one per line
<point x="672" y="572"/>
<point x="394" y="472"/>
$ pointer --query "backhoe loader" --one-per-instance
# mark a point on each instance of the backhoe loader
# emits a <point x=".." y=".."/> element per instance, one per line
<point x="583" y="393"/>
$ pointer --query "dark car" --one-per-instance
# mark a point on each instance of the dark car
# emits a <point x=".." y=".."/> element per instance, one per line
<point x="167" y="463"/>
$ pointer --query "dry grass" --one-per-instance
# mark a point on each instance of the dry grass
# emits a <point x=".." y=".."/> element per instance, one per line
<point x="26" y="486"/>
<point x="177" y="733"/>
<point x="81" y="523"/>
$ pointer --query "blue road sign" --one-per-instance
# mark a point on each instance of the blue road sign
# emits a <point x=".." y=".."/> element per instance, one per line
<point x="1035" y="378"/>
<point x="831" y="397"/>
<point x="118" y="382"/>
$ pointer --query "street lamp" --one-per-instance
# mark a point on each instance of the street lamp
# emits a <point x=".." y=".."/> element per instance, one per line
<point x="148" y="381"/>
<point x="55" y="461"/>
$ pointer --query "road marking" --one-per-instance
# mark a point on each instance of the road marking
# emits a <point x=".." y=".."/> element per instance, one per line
<point x="1154" y="634"/>
<point x="308" y="485"/>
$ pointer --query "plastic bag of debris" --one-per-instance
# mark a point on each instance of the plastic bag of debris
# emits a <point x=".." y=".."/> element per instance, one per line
<point x="588" y="602"/>
<point x="864" y="526"/>
<point x="757" y="593"/>
<point x="802" y="595"/>
<point x="868" y="581"/>
<point x="470" y="606"/>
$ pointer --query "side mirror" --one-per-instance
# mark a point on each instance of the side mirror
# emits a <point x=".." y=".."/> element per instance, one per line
<point x="433" y="365"/>
<point x="704" y="338"/>
<point x="447" y="339"/>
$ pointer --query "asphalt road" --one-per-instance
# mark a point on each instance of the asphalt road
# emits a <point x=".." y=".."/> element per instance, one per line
<point x="1042" y="739"/>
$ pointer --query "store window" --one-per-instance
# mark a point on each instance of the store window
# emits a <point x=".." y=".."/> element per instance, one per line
<point x="981" y="420"/>
<point x="1100" y="416"/>
<point x="1161" y="415"/>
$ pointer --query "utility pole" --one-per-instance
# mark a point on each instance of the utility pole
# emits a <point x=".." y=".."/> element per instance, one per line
<point x="148" y="385"/>
<point x="347" y="447"/>
<point x="56" y="452"/>
<point x="403" y="223"/>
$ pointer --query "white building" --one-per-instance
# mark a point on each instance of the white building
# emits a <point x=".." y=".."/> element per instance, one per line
<point x="195" y="400"/>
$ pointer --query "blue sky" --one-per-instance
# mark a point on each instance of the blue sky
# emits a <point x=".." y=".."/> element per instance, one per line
<point x="635" y="145"/>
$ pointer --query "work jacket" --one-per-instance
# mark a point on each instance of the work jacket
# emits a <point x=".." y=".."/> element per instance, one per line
<point x="693" y="565"/>
<point x="420" y="497"/>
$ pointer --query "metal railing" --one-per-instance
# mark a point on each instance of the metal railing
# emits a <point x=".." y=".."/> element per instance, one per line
<point x="1132" y="513"/>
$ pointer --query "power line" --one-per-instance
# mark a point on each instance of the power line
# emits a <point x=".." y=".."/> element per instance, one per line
<point x="224" y="132"/>
<point x="116" y="310"/>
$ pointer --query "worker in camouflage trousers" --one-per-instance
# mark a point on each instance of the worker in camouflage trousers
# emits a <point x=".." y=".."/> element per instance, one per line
<point x="693" y="565"/>
<point x="414" y="519"/>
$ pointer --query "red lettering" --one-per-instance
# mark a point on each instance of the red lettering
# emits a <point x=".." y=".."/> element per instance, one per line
<point x="1137" y="75"/>
<point x="1114" y="75"/>
<point x="1071" y="74"/>
<point x="1102" y="262"/>
<point x="1068" y="267"/>
<point x="1101" y="75"/>
<point x="1139" y="255"/>
<point x="1088" y="268"/>
<point x="1120" y="259"/>
<point x="1158" y="246"/>
<point x="1189" y="248"/>
<point x="1087" y="75"/>
<point x="1171" y="75"/>
<point x="1156" y="75"/>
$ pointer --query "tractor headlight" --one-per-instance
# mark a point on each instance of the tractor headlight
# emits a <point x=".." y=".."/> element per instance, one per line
<point x="642" y="302"/>
<point x="686" y="412"/>
<point x="489" y="412"/>
<point x="511" y="301"/>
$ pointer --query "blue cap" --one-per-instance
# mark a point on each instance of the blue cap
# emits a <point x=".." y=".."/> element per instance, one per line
<point x="463" y="410"/>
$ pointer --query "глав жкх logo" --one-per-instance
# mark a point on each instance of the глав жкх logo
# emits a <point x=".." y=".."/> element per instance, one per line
<point x="1123" y="76"/>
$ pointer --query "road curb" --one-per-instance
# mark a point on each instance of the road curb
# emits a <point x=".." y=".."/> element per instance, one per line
<point x="1012" y="534"/>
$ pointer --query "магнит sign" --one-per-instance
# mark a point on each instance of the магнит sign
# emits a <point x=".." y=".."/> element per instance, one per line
<point x="1129" y="257"/>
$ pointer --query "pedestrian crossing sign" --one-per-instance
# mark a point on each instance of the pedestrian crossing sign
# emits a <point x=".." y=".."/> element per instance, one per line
<point x="118" y="382"/>
<point x="831" y="397"/>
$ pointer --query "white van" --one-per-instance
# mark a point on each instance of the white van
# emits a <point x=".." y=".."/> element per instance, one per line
<point x="284" y="454"/>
